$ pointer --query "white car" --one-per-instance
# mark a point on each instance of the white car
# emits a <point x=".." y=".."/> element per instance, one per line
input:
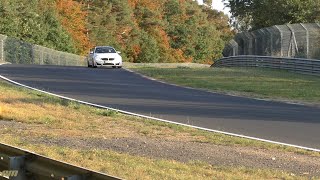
<point x="104" y="56"/>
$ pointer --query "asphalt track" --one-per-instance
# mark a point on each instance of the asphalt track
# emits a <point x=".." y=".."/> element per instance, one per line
<point x="121" y="89"/>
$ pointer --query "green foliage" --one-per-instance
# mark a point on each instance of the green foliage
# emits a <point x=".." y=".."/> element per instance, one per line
<point x="149" y="49"/>
<point x="256" y="14"/>
<point x="144" y="30"/>
<point x="33" y="21"/>
<point x="205" y="47"/>
<point x="102" y="24"/>
<point x="176" y="31"/>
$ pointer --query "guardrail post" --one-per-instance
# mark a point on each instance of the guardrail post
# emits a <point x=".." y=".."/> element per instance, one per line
<point x="17" y="164"/>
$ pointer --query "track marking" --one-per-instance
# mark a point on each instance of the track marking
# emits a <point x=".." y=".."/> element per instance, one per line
<point x="159" y="119"/>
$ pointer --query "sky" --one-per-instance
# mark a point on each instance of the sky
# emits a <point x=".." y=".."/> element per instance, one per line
<point x="218" y="5"/>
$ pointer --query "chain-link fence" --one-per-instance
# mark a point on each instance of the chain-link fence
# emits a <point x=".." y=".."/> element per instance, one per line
<point x="18" y="52"/>
<point x="291" y="40"/>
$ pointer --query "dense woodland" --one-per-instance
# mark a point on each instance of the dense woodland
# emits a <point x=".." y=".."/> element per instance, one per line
<point x="143" y="30"/>
<point x="255" y="14"/>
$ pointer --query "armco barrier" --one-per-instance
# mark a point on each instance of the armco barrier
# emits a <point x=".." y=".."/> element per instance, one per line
<point x="23" y="165"/>
<point x="298" y="65"/>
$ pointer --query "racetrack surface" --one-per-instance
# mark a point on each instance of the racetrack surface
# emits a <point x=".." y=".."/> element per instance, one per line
<point x="121" y="89"/>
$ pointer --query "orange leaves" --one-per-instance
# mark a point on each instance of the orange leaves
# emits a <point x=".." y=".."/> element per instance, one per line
<point x="73" y="19"/>
<point x="162" y="37"/>
<point x="133" y="3"/>
<point x="136" y="49"/>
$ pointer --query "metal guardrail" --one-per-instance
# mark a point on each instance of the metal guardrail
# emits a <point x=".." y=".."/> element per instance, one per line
<point x="36" y="167"/>
<point x="298" y="65"/>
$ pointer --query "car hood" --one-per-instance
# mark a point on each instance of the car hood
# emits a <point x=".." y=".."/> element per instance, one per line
<point x="107" y="55"/>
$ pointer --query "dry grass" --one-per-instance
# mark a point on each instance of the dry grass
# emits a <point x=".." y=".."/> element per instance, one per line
<point x="134" y="167"/>
<point x="54" y="117"/>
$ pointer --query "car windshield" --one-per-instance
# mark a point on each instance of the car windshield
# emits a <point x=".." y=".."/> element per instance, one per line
<point x="105" y="50"/>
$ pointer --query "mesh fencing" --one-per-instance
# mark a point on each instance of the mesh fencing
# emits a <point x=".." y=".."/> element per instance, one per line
<point x="290" y="40"/>
<point x="18" y="52"/>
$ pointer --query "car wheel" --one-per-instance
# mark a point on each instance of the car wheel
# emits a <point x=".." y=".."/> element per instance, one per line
<point x="89" y="65"/>
<point x="114" y="66"/>
<point x="119" y="67"/>
<point x="94" y="65"/>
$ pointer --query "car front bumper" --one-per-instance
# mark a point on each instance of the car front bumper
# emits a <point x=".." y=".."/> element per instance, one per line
<point x="108" y="63"/>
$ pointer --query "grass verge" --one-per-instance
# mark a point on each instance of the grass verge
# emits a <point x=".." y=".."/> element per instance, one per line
<point x="134" y="167"/>
<point x="252" y="82"/>
<point x="65" y="117"/>
<point x="55" y="117"/>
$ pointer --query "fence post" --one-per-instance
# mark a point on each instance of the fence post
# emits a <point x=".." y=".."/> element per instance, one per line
<point x="281" y="39"/>
<point x="307" y="38"/>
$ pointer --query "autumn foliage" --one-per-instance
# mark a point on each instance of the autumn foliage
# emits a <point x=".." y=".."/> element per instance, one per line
<point x="143" y="30"/>
<point x="73" y="19"/>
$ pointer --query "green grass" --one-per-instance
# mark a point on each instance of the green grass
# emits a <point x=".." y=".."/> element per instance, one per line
<point x="252" y="82"/>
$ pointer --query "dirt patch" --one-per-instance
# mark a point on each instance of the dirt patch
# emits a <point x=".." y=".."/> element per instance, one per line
<point x="182" y="151"/>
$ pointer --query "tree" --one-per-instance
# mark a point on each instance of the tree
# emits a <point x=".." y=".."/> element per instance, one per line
<point x="34" y="21"/>
<point x="256" y="14"/>
<point x="143" y="30"/>
<point x="73" y="19"/>
<point x="149" y="49"/>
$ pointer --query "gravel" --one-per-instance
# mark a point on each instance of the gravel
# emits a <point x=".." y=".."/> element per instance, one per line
<point x="217" y="155"/>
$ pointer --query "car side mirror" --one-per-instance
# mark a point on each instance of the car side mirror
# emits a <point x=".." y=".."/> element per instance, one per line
<point x="118" y="52"/>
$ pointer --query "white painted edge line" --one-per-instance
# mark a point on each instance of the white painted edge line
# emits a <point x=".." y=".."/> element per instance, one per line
<point x="158" y="119"/>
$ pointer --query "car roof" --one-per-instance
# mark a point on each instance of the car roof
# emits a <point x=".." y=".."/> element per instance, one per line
<point x="104" y="46"/>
